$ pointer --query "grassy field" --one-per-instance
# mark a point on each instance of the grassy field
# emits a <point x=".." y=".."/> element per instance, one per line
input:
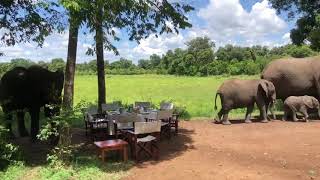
<point x="196" y="94"/>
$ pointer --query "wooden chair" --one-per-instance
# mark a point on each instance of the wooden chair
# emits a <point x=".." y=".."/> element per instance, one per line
<point x="95" y="122"/>
<point x="110" y="108"/>
<point x="123" y="122"/>
<point x="142" y="106"/>
<point x="166" y="106"/>
<point x="174" y="122"/>
<point x="165" y="117"/>
<point x="144" y="138"/>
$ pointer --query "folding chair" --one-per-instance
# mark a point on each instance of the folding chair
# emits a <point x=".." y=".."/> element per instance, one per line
<point x="142" y="106"/>
<point x="165" y="117"/>
<point x="97" y="123"/>
<point x="144" y="138"/>
<point x="175" y="117"/>
<point x="123" y="122"/>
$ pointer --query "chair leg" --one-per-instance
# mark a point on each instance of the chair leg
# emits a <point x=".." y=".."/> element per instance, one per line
<point x="176" y="127"/>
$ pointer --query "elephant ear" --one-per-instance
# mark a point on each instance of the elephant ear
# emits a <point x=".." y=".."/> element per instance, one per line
<point x="308" y="102"/>
<point x="264" y="87"/>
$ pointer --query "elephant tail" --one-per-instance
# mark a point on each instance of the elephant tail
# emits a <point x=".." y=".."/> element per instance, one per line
<point x="215" y="101"/>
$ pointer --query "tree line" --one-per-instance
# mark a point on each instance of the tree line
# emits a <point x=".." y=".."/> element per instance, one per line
<point x="199" y="58"/>
<point x="139" y="19"/>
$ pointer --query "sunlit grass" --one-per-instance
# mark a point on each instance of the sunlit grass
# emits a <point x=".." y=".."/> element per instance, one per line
<point x="194" y="93"/>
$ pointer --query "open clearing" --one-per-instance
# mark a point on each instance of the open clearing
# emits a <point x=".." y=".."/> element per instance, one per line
<point x="196" y="94"/>
<point x="203" y="150"/>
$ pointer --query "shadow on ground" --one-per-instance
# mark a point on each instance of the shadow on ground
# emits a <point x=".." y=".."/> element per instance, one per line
<point x="35" y="154"/>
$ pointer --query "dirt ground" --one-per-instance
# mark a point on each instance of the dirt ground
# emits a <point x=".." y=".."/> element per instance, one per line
<point x="203" y="150"/>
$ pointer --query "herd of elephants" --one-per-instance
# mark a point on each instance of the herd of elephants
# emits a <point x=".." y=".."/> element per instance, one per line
<point x="295" y="81"/>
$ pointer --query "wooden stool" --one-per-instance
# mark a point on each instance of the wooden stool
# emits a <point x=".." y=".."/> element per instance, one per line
<point x="110" y="145"/>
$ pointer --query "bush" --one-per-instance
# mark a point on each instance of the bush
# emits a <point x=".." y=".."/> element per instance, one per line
<point x="300" y="51"/>
<point x="8" y="151"/>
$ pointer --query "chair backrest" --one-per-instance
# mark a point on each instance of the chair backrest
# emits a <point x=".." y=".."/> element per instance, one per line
<point x="164" y="114"/>
<point x="92" y="110"/>
<point x="125" y="120"/>
<point x="109" y="107"/>
<point x="89" y="112"/>
<point x="147" y="127"/>
<point x="166" y="106"/>
<point x="145" y="105"/>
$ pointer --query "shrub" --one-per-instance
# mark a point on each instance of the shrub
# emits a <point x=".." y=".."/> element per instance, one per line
<point x="8" y="151"/>
<point x="300" y="51"/>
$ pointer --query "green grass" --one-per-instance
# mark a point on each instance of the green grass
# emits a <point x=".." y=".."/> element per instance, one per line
<point x="84" y="169"/>
<point x="194" y="93"/>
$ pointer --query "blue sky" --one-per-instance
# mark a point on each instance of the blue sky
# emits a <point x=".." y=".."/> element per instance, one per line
<point x="238" y="22"/>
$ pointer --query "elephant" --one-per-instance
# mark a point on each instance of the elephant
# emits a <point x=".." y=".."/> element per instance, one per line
<point x="294" y="104"/>
<point x="237" y="93"/>
<point x="294" y="77"/>
<point x="30" y="89"/>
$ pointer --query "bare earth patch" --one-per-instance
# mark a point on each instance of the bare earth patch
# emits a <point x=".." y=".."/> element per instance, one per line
<point x="203" y="150"/>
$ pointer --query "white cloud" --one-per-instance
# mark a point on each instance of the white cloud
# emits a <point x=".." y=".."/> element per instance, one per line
<point x="224" y="21"/>
<point x="228" y="20"/>
<point x="160" y="45"/>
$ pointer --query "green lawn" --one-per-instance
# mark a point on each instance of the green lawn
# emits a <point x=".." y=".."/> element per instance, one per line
<point x="194" y="93"/>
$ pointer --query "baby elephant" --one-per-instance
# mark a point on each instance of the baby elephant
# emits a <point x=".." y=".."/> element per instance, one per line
<point x="238" y="93"/>
<point x="294" y="104"/>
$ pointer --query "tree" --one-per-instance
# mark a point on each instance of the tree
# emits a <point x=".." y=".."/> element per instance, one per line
<point x="28" y="20"/>
<point x="122" y="64"/>
<point x="139" y="18"/>
<point x="56" y="64"/>
<point x="145" y="64"/>
<point x="308" y="25"/>
<point x="155" y="61"/>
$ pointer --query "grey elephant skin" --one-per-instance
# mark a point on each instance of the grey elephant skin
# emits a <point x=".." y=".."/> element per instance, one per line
<point x="237" y="93"/>
<point x="294" y="104"/>
<point x="294" y="77"/>
<point x="30" y="89"/>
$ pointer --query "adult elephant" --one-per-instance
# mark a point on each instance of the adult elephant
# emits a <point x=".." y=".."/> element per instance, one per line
<point x="294" y="77"/>
<point x="30" y="89"/>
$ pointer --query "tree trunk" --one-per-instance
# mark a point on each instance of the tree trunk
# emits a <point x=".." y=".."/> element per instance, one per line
<point x="100" y="60"/>
<point x="71" y="65"/>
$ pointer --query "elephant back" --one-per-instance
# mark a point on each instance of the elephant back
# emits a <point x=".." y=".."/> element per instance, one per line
<point x="13" y="82"/>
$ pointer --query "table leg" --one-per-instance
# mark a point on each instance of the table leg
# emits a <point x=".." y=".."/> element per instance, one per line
<point x="125" y="153"/>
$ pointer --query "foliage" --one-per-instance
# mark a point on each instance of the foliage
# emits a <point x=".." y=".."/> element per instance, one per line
<point x="308" y="24"/>
<point x="57" y="131"/>
<point x="28" y="20"/>
<point x="8" y="151"/>
<point x="300" y="52"/>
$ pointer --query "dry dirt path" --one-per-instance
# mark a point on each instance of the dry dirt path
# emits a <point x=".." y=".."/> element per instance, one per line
<point x="203" y="150"/>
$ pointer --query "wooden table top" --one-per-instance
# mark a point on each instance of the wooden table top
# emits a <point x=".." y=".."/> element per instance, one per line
<point x="110" y="143"/>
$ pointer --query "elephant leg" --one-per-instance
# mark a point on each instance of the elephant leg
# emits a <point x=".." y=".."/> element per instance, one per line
<point x="21" y="126"/>
<point x="263" y="113"/>
<point x="285" y="115"/>
<point x="34" y="113"/>
<point x="270" y="108"/>
<point x="294" y="115"/>
<point x="248" y="114"/>
<point x="304" y="111"/>
<point x="8" y="123"/>
<point x="225" y="120"/>
<point x="220" y="113"/>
